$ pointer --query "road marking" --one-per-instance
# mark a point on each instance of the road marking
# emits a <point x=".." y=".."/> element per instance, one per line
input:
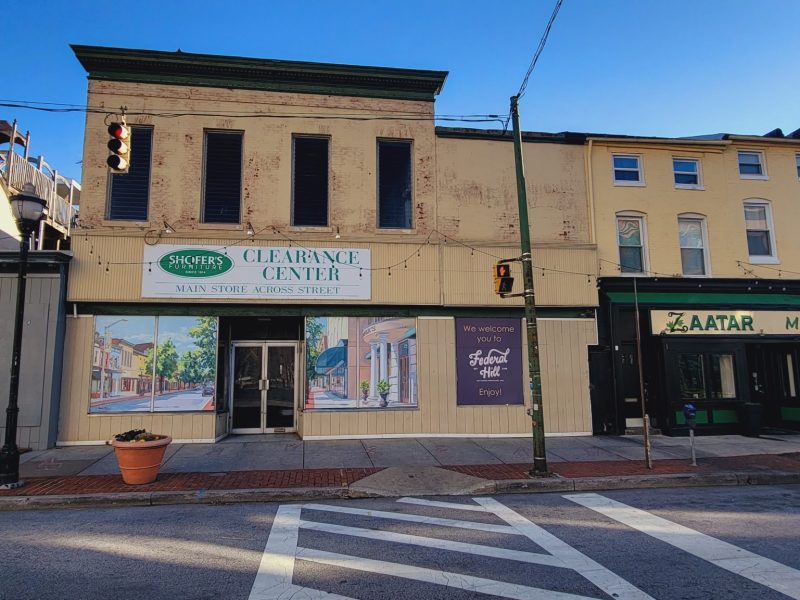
<point x="606" y="580"/>
<point x="443" y="578"/>
<point x="274" y="576"/>
<point x="273" y="580"/>
<point x="737" y="560"/>
<point x="414" y="518"/>
<point x="437" y="504"/>
<point x="439" y="544"/>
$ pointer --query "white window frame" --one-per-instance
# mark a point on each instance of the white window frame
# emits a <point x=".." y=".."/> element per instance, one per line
<point x="704" y="232"/>
<point x="772" y="258"/>
<point x="641" y="217"/>
<point x="639" y="170"/>
<point x="699" y="173"/>
<point x="797" y="162"/>
<point x="762" y="161"/>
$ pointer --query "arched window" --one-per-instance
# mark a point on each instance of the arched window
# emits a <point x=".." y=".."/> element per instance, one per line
<point x="632" y="242"/>
<point x="693" y="242"/>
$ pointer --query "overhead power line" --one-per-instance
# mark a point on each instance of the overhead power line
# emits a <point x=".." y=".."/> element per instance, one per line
<point x="59" y="108"/>
<point x="539" y="49"/>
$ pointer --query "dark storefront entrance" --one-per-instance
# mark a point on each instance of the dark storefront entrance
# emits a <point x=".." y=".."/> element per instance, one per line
<point x="730" y="351"/>
<point x="259" y="372"/>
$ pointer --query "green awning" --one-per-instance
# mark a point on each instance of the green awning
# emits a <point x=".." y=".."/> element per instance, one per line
<point x="330" y="359"/>
<point x="711" y="299"/>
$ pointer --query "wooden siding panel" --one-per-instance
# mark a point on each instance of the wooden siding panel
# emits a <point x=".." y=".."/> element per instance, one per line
<point x="467" y="276"/>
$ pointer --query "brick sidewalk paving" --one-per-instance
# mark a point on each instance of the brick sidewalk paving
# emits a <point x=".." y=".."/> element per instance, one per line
<point x="328" y="478"/>
<point x="185" y="482"/>
<point x="786" y="463"/>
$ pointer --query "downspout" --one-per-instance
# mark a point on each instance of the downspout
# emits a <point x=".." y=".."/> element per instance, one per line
<point x="439" y="249"/>
<point x="590" y="191"/>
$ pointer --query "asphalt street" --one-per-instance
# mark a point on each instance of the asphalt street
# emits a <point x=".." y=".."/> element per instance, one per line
<point x="688" y="543"/>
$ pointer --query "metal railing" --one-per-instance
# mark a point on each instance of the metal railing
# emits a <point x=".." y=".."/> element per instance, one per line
<point x="16" y="171"/>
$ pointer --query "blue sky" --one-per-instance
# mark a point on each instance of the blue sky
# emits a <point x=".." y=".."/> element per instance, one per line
<point x="138" y="330"/>
<point x="632" y="67"/>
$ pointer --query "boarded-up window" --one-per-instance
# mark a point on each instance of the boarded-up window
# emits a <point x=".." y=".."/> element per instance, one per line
<point x="129" y="192"/>
<point x="394" y="184"/>
<point x="310" y="182"/>
<point x="222" y="185"/>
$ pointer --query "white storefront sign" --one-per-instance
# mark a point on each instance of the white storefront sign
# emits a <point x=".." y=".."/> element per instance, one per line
<point x="292" y="273"/>
<point x="725" y="322"/>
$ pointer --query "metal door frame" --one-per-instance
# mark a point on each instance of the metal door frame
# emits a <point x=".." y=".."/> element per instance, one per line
<point x="264" y="358"/>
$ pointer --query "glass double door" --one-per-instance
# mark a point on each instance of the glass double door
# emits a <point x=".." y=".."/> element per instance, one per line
<point x="263" y="387"/>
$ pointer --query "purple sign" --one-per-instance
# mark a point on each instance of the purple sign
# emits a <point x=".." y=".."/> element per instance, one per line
<point x="488" y="361"/>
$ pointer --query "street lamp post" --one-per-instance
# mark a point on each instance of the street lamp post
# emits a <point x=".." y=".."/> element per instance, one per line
<point x="107" y="352"/>
<point x="28" y="210"/>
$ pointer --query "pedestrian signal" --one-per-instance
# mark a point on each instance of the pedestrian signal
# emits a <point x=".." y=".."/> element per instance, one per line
<point x="503" y="282"/>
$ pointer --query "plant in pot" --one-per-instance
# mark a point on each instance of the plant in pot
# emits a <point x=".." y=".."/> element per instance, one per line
<point x="364" y="387"/>
<point x="139" y="455"/>
<point x="383" y="391"/>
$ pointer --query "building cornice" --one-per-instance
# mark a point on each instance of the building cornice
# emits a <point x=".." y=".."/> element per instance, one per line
<point x="465" y="133"/>
<point x="233" y="72"/>
<point x="599" y="140"/>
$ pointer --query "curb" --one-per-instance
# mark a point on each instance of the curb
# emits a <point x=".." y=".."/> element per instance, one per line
<point x="631" y="482"/>
<point x="507" y="486"/>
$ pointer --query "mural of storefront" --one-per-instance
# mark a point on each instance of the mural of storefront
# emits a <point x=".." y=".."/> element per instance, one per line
<point x="362" y="362"/>
<point x="730" y="348"/>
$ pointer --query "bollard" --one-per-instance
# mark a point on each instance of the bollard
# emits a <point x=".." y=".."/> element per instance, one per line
<point x="690" y="414"/>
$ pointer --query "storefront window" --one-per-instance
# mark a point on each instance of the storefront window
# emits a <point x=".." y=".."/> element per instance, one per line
<point x="136" y="370"/>
<point x="692" y="376"/>
<point x="361" y="362"/>
<point x="723" y="380"/>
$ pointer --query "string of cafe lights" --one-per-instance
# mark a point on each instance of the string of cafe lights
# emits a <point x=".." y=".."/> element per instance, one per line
<point x="416" y="252"/>
<point x="779" y="271"/>
<point x="294" y="242"/>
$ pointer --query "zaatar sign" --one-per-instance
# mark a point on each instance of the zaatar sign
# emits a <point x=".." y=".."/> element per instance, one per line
<point x="725" y="322"/>
<point x="488" y="361"/>
<point x="177" y="271"/>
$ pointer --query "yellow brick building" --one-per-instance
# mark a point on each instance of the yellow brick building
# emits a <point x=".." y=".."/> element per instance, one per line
<point x="700" y="234"/>
<point x="301" y="249"/>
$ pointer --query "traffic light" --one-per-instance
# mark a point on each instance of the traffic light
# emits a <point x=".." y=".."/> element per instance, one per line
<point x="503" y="281"/>
<point x="120" y="146"/>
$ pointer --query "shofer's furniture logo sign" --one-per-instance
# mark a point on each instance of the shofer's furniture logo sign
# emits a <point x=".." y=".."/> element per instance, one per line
<point x="172" y="271"/>
<point x="488" y="361"/>
<point x="195" y="263"/>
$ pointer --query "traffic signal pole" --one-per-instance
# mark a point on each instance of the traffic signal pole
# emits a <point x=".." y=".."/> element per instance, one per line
<point x="536" y="411"/>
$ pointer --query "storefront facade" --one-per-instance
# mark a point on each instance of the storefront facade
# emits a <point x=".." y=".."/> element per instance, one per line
<point x="730" y="348"/>
<point x="314" y="305"/>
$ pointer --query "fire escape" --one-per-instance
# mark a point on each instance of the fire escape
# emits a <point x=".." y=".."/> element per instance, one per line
<point x="62" y="194"/>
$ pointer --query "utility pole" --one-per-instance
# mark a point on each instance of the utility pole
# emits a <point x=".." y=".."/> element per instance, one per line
<point x="534" y="373"/>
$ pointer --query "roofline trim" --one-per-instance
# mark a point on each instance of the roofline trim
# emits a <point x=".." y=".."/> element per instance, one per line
<point x="207" y="70"/>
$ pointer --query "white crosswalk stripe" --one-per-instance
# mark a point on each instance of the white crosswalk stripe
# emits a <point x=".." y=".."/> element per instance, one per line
<point x="737" y="560"/>
<point x="274" y="579"/>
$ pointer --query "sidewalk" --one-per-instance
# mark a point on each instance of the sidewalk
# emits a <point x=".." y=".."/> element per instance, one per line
<point x="283" y="467"/>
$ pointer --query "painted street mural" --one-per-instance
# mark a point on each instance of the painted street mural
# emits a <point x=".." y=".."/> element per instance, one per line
<point x="361" y="362"/>
<point x="132" y="371"/>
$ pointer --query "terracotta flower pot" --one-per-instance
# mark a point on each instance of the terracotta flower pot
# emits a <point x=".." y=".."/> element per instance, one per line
<point x="139" y="462"/>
